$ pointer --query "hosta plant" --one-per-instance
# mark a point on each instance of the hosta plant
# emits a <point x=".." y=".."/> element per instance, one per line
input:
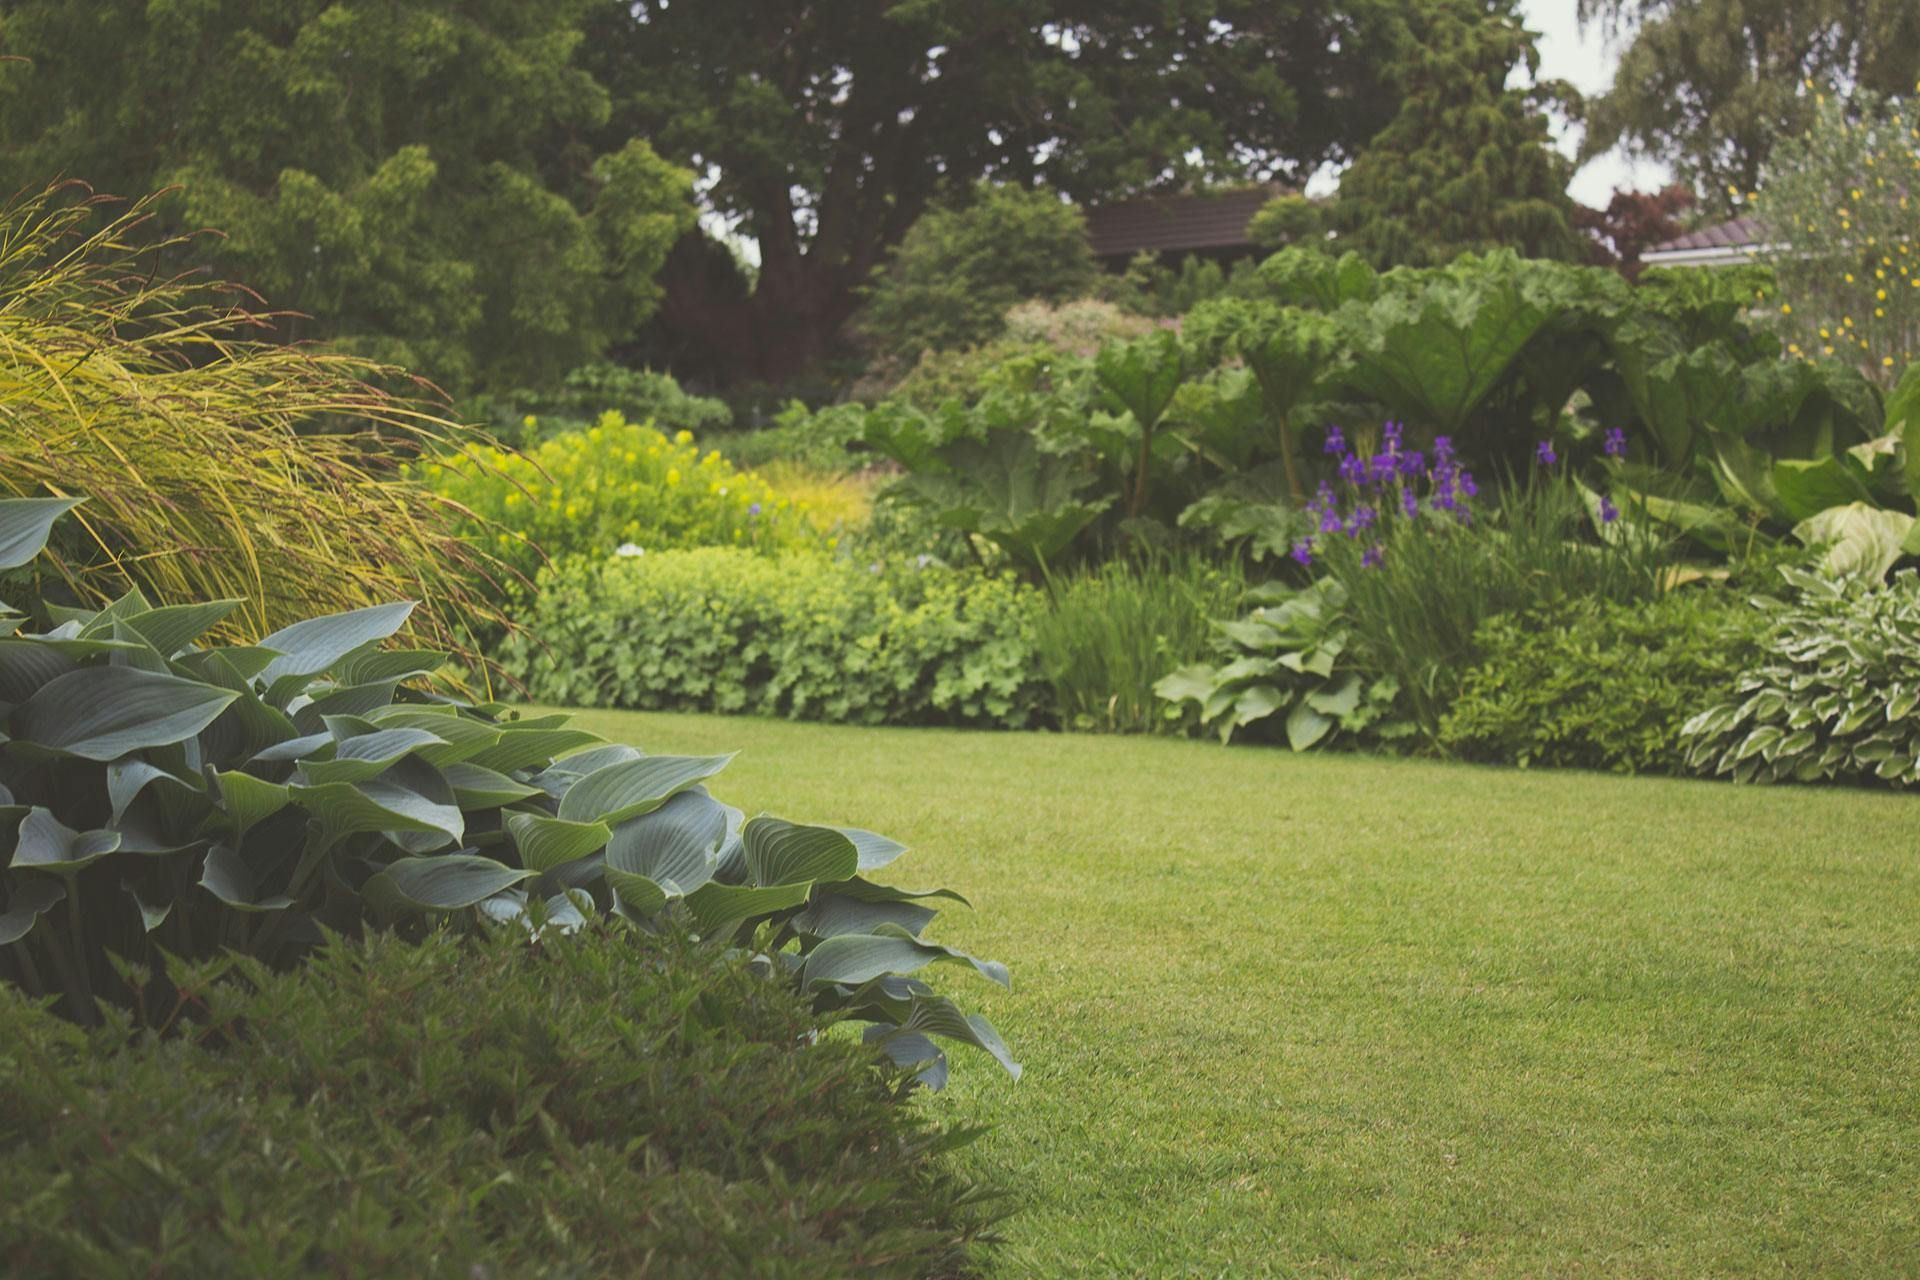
<point x="1835" y="697"/>
<point x="1289" y="665"/>
<point x="160" y="796"/>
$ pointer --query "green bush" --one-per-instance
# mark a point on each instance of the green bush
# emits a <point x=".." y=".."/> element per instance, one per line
<point x="608" y="1104"/>
<point x="1595" y="684"/>
<point x="170" y="798"/>
<point x="1106" y="635"/>
<point x="638" y="395"/>
<point x="1833" y="695"/>
<point x="802" y="636"/>
<point x="617" y="482"/>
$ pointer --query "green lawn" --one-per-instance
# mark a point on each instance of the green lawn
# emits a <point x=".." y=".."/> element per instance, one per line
<point x="1327" y="1015"/>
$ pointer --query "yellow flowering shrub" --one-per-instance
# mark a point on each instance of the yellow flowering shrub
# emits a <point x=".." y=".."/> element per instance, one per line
<point x="615" y="484"/>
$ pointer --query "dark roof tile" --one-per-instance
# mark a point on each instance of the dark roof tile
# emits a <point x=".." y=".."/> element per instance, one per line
<point x="1721" y="235"/>
<point x="1163" y="223"/>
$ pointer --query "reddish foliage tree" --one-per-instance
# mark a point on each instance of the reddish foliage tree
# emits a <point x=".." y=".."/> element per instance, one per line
<point x="1632" y="223"/>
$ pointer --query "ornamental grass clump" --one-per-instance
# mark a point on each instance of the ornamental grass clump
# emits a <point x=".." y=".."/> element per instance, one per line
<point x="217" y="464"/>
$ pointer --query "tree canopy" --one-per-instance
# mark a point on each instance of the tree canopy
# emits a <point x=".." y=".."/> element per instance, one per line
<point x="824" y="130"/>
<point x="1709" y="86"/>
<point x="1467" y="163"/>
<point x="415" y="177"/>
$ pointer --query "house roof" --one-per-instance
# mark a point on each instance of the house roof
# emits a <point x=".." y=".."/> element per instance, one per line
<point x="1159" y="224"/>
<point x="1733" y="241"/>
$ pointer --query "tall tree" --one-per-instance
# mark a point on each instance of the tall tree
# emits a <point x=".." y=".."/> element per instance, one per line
<point x="413" y="174"/>
<point x="1467" y="163"/>
<point x="823" y="130"/>
<point x="1709" y="86"/>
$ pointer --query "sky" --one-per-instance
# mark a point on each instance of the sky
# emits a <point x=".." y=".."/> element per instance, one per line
<point x="1587" y="62"/>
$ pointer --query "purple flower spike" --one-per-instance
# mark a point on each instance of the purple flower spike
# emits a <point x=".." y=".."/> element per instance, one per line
<point x="1467" y="486"/>
<point x="1353" y="472"/>
<point x="1391" y="433"/>
<point x="1374" y="555"/>
<point x="1302" y="552"/>
<point x="1442" y="450"/>
<point x="1336" y="441"/>
<point x="1616" y="444"/>
<point x="1413" y="464"/>
<point x="1329" y="521"/>
<point x="1608" y="512"/>
<point x="1409" y="505"/>
<point x="754" y="510"/>
<point x="1544" y="453"/>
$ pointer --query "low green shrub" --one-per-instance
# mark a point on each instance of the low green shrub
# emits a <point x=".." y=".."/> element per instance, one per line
<point x="612" y="1103"/>
<point x="816" y="438"/>
<point x="1290" y="671"/>
<point x="1106" y="635"/>
<point x="158" y="797"/>
<point x="801" y="636"/>
<point x="1833" y="695"/>
<point x="638" y="395"/>
<point x="1595" y="684"/>
<point x="610" y="484"/>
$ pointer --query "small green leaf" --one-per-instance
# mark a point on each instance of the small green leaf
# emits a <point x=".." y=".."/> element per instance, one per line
<point x="28" y="898"/>
<point x="47" y="844"/>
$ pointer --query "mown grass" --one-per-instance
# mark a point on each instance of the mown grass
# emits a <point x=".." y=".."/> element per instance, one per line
<point x="1330" y="1015"/>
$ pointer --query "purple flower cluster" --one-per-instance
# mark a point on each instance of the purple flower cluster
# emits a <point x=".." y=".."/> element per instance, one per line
<point x="1389" y="480"/>
<point x="1615" y="445"/>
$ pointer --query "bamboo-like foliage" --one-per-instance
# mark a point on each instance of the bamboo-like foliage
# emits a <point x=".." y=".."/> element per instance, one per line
<point x="216" y="463"/>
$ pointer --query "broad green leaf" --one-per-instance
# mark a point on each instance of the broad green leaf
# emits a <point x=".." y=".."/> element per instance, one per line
<point x="714" y="905"/>
<point x="1341" y="700"/>
<point x="476" y="788"/>
<point x="25" y="524"/>
<point x="851" y="959"/>
<point x="1808" y="488"/>
<point x="864" y="890"/>
<point x="636" y="896"/>
<point x="226" y="876"/>
<point x="311" y="647"/>
<point x="830" y="914"/>
<point x="782" y="852"/>
<point x="102" y="713"/>
<point x="28" y="898"/>
<point x="366" y="756"/>
<point x="1860" y="539"/>
<point x="673" y="847"/>
<point x="1143" y="375"/>
<point x="367" y="665"/>
<point x="152" y="916"/>
<point x="379" y="804"/>
<point x="546" y="843"/>
<point x="28" y="665"/>
<point x="127" y="778"/>
<point x="633" y="787"/>
<point x="875" y="851"/>
<point x="939" y="1016"/>
<point x="1305" y="726"/>
<point x="173" y="627"/>
<point x="47" y="844"/>
<point x="522" y="748"/>
<point x="445" y="883"/>
<point x="249" y="800"/>
<point x="462" y="737"/>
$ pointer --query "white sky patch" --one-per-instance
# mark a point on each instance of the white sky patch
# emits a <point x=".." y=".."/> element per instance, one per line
<point x="1586" y="61"/>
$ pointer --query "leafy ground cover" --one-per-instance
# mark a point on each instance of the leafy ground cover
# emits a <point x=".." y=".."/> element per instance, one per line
<point x="1333" y="1015"/>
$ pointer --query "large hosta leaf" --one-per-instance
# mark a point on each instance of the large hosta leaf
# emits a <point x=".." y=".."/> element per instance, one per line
<point x="47" y="844"/>
<point x="714" y="905"/>
<point x="546" y="843"/>
<point x="520" y="747"/>
<point x="25" y="524"/>
<point x="173" y="627"/>
<point x="379" y="804"/>
<point x="782" y="852"/>
<point x="249" y="800"/>
<point x="102" y="713"/>
<point x="226" y="875"/>
<point x="830" y="914"/>
<point x="475" y="788"/>
<point x="673" y="847"/>
<point x="28" y="898"/>
<point x="851" y="959"/>
<point x="633" y="787"/>
<point x="445" y="883"/>
<point x="1860" y="539"/>
<point x="367" y="755"/>
<point x="311" y="647"/>
<point x="939" y="1016"/>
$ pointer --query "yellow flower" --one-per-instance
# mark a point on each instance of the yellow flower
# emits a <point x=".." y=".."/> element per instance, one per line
<point x="1880" y="294"/>
<point x="1786" y="309"/>
<point x="1848" y="277"/>
<point x="1828" y="350"/>
<point x="1824" y="333"/>
<point x="630" y="457"/>
<point x="1887" y="361"/>
<point x="513" y="500"/>
<point x="673" y="475"/>
<point x="683" y="437"/>
<point x="573" y="511"/>
<point x="529" y="422"/>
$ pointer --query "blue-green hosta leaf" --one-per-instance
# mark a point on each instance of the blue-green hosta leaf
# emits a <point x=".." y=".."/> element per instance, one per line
<point x="47" y="844"/>
<point x="446" y="883"/>
<point x="633" y="787"/>
<point x="152" y="915"/>
<point x="863" y="890"/>
<point x="368" y="755"/>
<point x="852" y="959"/>
<point x="25" y="524"/>
<point x="461" y="737"/>
<point x="939" y="1016"/>
<point x="28" y="665"/>
<point x="830" y="914"/>
<point x="1341" y="700"/>
<point x="311" y="647"/>
<point x="522" y="748"/>
<point x="245" y="729"/>
<point x="1188" y="684"/>
<point x="673" y="847"/>
<point x="782" y="852"/>
<point x="875" y="851"/>
<point x="226" y="875"/>
<point x="249" y="800"/>
<point x="110" y="711"/>
<point x="313" y="745"/>
<point x="337" y="701"/>
<point x="558" y="778"/>
<point x="476" y="788"/>
<point x="714" y="905"/>
<point x="546" y="843"/>
<point x="374" y="666"/>
<point x="171" y="628"/>
<point x="28" y="898"/>
<point x="127" y="778"/>
<point x="230" y="668"/>
<point x="379" y="804"/>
